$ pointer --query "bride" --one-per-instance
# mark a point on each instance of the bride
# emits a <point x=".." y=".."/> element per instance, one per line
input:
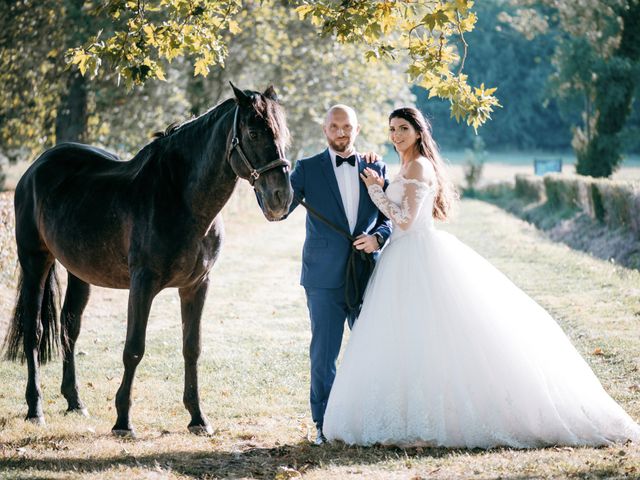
<point x="447" y="351"/>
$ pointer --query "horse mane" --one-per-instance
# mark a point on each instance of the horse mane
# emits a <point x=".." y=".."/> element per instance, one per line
<point x="267" y="109"/>
<point x="172" y="127"/>
<point x="273" y="114"/>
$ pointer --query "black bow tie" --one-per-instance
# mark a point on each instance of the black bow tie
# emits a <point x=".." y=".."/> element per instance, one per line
<point x="350" y="160"/>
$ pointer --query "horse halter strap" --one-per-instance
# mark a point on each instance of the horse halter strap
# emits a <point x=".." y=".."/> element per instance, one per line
<point x="254" y="173"/>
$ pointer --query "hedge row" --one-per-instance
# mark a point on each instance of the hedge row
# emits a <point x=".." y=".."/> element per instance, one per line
<point x="615" y="203"/>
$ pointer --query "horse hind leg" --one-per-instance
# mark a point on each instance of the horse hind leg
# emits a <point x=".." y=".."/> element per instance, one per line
<point x="75" y="301"/>
<point x="34" y="325"/>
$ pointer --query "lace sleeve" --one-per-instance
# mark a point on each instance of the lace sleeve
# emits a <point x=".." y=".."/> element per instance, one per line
<point x="403" y="215"/>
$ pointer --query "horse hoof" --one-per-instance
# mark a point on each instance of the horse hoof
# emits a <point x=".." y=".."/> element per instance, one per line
<point x="201" y="429"/>
<point x="83" y="412"/>
<point x="123" y="433"/>
<point x="39" y="421"/>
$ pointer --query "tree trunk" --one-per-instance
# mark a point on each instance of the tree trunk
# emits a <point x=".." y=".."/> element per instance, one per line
<point x="71" y="119"/>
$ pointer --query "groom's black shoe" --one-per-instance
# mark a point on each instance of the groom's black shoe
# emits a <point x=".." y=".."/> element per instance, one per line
<point x="320" y="438"/>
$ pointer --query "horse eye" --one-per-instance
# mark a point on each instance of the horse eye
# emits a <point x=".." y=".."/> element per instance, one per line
<point x="252" y="134"/>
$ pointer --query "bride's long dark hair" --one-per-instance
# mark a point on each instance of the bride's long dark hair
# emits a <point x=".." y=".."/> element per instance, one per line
<point x="426" y="146"/>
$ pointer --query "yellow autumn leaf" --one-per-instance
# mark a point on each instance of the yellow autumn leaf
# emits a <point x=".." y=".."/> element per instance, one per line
<point x="148" y="30"/>
<point x="234" y="27"/>
<point x="303" y="11"/>
<point x="80" y="58"/>
<point x="160" y="74"/>
<point x="201" y="68"/>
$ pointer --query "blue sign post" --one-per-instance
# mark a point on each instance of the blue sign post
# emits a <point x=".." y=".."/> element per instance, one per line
<point x="548" y="165"/>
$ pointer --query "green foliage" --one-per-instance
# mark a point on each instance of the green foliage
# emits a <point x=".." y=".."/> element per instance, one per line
<point x="144" y="33"/>
<point x="561" y="191"/>
<point x="310" y="74"/>
<point x="30" y="74"/>
<point x="520" y="68"/>
<point x="618" y="203"/>
<point x="426" y="31"/>
<point x="530" y="187"/>
<point x="36" y="93"/>
<point x="596" y="202"/>
<point x="614" y="88"/>
<point x="598" y="59"/>
<point x="147" y="33"/>
<point x="614" y="203"/>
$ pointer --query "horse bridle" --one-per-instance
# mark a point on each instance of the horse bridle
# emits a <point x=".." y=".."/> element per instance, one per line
<point x="254" y="173"/>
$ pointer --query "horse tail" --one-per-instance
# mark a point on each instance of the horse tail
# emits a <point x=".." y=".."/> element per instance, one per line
<point x="49" y="341"/>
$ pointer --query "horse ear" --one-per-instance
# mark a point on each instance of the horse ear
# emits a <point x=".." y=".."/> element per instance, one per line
<point x="271" y="94"/>
<point x="243" y="98"/>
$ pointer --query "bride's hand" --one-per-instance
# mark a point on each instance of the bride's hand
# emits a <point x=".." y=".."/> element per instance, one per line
<point x="371" y="177"/>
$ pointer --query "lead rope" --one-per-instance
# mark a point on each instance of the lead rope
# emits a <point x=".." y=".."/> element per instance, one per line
<point x="350" y="275"/>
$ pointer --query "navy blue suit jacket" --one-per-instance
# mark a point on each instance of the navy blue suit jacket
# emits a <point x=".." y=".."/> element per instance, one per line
<point x="325" y="252"/>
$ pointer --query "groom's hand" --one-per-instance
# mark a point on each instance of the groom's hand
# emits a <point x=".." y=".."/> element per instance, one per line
<point x="368" y="243"/>
<point x="371" y="157"/>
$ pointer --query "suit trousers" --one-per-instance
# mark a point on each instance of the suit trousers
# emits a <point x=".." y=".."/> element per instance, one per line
<point x="328" y="312"/>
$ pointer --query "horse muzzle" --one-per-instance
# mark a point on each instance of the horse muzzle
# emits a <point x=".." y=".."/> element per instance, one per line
<point x="276" y="202"/>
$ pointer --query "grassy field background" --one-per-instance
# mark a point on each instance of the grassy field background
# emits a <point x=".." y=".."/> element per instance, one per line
<point x="499" y="166"/>
<point x="254" y="369"/>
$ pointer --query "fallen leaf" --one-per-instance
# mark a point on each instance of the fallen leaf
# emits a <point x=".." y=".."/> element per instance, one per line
<point x="285" y="473"/>
<point x="598" y="351"/>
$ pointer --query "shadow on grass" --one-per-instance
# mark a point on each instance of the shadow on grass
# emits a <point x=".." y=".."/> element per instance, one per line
<point x="283" y="461"/>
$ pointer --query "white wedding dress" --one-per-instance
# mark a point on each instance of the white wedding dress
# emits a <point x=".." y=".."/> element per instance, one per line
<point x="447" y="351"/>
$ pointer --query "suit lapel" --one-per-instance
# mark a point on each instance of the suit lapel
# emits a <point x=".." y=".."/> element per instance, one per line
<point x="364" y="194"/>
<point x="327" y="169"/>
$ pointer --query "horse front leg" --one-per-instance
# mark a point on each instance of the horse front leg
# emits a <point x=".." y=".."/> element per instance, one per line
<point x="75" y="301"/>
<point x="144" y="287"/>
<point x="192" y="302"/>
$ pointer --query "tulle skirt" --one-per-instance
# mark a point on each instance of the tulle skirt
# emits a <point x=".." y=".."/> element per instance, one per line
<point x="447" y="351"/>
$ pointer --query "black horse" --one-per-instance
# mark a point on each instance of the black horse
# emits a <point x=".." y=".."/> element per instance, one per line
<point x="147" y="224"/>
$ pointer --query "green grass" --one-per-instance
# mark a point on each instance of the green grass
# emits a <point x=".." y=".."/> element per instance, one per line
<point x="254" y="370"/>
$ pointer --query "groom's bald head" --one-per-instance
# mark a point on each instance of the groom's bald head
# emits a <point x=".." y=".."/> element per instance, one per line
<point x="341" y="128"/>
<point x="341" y="109"/>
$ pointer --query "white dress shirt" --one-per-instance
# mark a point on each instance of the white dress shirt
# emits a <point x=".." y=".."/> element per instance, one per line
<point x="349" y="186"/>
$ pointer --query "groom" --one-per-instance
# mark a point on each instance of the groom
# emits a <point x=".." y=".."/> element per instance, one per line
<point x="329" y="182"/>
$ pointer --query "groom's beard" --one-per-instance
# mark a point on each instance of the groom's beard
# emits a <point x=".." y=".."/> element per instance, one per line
<point x="345" y="146"/>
